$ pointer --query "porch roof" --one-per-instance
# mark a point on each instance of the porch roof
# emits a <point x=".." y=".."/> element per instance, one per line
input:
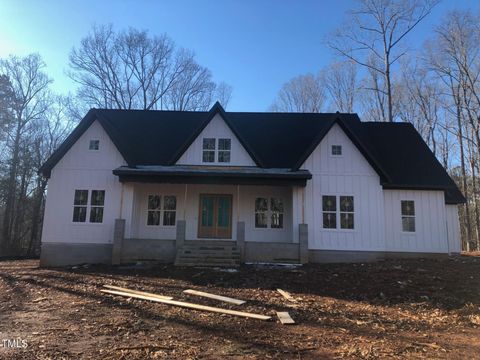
<point x="195" y="174"/>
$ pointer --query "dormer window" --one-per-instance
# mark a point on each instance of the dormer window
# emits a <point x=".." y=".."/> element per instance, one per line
<point x="94" y="145"/>
<point x="213" y="153"/>
<point x="337" y="150"/>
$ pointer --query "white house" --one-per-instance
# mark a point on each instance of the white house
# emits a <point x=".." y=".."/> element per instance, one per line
<point x="222" y="187"/>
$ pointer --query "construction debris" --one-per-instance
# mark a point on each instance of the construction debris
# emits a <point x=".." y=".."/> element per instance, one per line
<point x="287" y="295"/>
<point x="189" y="305"/>
<point x="285" y="318"/>
<point x="138" y="292"/>
<point x="215" y="297"/>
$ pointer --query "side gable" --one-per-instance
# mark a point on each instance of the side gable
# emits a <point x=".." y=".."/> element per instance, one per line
<point x="216" y="128"/>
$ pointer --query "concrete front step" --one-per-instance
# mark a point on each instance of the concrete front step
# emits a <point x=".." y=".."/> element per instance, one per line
<point x="208" y="253"/>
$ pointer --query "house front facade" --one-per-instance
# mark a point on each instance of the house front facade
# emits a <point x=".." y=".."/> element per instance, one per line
<point x="131" y="185"/>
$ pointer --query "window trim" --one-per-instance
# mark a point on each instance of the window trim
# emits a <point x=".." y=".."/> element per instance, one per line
<point x="406" y="232"/>
<point x="161" y="210"/>
<point x="336" y="155"/>
<point x="87" y="221"/>
<point x="338" y="212"/>
<point x="216" y="151"/>
<point x="269" y="213"/>
<point x="89" y="143"/>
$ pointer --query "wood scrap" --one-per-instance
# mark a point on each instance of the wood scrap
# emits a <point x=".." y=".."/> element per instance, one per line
<point x="189" y="305"/>
<point x="138" y="292"/>
<point x="287" y="295"/>
<point x="213" y="296"/>
<point x="285" y="318"/>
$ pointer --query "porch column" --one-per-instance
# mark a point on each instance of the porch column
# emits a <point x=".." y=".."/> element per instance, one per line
<point x="118" y="236"/>
<point x="241" y="240"/>
<point x="181" y="229"/>
<point x="303" y="243"/>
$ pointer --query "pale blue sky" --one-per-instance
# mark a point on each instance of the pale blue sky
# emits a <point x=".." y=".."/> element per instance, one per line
<point x="253" y="45"/>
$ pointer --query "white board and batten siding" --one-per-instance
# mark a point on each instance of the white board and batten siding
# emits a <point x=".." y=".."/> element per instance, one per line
<point x="83" y="169"/>
<point x="218" y="129"/>
<point x="453" y="229"/>
<point x="377" y="212"/>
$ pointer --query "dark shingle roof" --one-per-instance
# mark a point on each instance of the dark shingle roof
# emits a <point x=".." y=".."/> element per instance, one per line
<point x="274" y="140"/>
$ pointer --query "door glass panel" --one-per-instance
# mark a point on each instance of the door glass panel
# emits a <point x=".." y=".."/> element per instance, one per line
<point x="223" y="219"/>
<point x="207" y="211"/>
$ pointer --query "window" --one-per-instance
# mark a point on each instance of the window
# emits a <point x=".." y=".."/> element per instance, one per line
<point x="159" y="212"/>
<point x="264" y="214"/>
<point x="337" y="150"/>
<point x="331" y="211"/>
<point x="329" y="207"/>
<point x="81" y="205"/>
<point x="208" y="150"/>
<point x="224" y="147"/>
<point x="80" y="201"/>
<point x="346" y="212"/>
<point x="94" y="145"/>
<point x="261" y="209"/>
<point x="408" y="215"/>
<point x="97" y="202"/>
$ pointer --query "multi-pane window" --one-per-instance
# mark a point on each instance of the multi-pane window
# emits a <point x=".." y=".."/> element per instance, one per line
<point x="269" y="214"/>
<point x="408" y="215"/>
<point x="261" y="212"/>
<point x="224" y="148"/>
<point x="329" y="207"/>
<point x="81" y="206"/>
<point x="80" y="202"/>
<point x="94" y="145"/>
<point x="336" y="150"/>
<point x="276" y="208"/>
<point x="334" y="207"/>
<point x="216" y="151"/>
<point x="208" y="150"/>
<point x="161" y="210"/>
<point x="346" y="212"/>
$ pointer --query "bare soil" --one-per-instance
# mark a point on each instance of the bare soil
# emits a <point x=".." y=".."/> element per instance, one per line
<point x="410" y="309"/>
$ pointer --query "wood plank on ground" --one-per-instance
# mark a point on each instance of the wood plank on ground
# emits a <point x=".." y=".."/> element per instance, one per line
<point x="285" y="318"/>
<point x="189" y="305"/>
<point x="287" y="295"/>
<point x="213" y="296"/>
<point x="138" y="292"/>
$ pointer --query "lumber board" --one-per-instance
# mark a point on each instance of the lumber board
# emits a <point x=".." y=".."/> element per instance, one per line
<point x="215" y="297"/>
<point x="285" y="318"/>
<point x="138" y="292"/>
<point x="287" y="295"/>
<point x="189" y="305"/>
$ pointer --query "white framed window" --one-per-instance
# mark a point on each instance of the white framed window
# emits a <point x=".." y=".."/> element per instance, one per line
<point x="269" y="212"/>
<point x="94" y="145"/>
<point x="224" y="148"/>
<point x="336" y="150"/>
<point x="336" y="208"/>
<point x="408" y="215"/>
<point x="161" y="210"/>
<point x="81" y="206"/>
<point x="208" y="155"/>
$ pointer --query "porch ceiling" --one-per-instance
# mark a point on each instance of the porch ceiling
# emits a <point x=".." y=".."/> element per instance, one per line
<point x="195" y="174"/>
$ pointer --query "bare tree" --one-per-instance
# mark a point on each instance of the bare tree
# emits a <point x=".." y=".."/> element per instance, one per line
<point x="304" y="93"/>
<point x="30" y="90"/>
<point x="342" y="86"/>
<point x="132" y="70"/>
<point x="377" y="29"/>
<point x="223" y="94"/>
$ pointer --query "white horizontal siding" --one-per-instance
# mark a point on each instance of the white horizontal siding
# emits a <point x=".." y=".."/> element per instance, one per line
<point x="83" y="169"/>
<point x="216" y="128"/>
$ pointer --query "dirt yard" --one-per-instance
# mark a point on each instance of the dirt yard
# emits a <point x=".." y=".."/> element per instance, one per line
<point x="395" y="309"/>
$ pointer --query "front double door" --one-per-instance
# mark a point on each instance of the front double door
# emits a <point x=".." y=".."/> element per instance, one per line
<point x="215" y="216"/>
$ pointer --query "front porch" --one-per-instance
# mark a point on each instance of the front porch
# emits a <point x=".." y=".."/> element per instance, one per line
<point x="214" y="224"/>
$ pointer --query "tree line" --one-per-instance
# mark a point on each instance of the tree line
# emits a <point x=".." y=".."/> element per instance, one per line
<point x="436" y="86"/>
<point x="127" y="69"/>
